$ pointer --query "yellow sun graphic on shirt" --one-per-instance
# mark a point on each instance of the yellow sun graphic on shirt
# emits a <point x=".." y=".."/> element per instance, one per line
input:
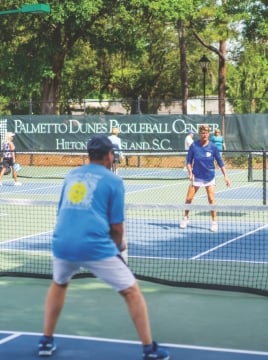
<point x="77" y="192"/>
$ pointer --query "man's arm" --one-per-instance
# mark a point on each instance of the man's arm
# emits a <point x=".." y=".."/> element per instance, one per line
<point x="116" y="232"/>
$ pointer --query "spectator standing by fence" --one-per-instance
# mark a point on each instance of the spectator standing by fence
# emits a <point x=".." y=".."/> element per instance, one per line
<point x="188" y="140"/>
<point x="218" y="140"/>
<point x="118" y="155"/>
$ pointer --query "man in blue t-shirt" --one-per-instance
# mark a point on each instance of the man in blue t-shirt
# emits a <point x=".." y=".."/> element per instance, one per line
<point x="89" y="234"/>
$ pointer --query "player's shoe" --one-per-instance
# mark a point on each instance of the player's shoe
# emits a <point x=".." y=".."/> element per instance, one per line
<point x="46" y="346"/>
<point x="184" y="222"/>
<point x="155" y="352"/>
<point x="17" y="183"/>
<point x="214" y="226"/>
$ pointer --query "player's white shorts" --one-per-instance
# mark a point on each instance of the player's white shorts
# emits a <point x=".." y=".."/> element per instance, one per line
<point x="203" y="183"/>
<point x="113" y="270"/>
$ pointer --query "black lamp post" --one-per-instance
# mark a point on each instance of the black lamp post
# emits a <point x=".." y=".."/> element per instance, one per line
<point x="204" y="62"/>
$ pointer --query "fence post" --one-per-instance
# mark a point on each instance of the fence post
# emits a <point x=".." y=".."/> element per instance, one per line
<point x="264" y="177"/>
<point x="250" y="175"/>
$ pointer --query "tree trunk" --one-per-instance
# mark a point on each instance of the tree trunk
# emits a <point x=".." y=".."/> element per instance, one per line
<point x="222" y="76"/>
<point x="51" y="86"/>
<point x="49" y="103"/>
<point x="183" y="66"/>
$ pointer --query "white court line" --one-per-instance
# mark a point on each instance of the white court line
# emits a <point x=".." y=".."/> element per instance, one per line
<point x="228" y="242"/>
<point x="10" y="337"/>
<point x="204" y="195"/>
<point x="200" y="195"/>
<point x="208" y="260"/>
<point x="159" y="186"/>
<point x="24" y="237"/>
<point x="238" y="187"/>
<point x="182" y="346"/>
<point x="21" y="190"/>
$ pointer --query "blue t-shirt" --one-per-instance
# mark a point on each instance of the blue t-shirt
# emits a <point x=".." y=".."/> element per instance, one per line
<point x="218" y="141"/>
<point x="202" y="159"/>
<point x="92" y="198"/>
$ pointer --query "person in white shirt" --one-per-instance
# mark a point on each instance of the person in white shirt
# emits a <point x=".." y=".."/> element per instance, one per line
<point x="188" y="140"/>
<point x="118" y="155"/>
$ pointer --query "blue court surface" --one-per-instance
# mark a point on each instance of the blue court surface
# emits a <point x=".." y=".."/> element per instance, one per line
<point x="35" y="188"/>
<point x="236" y="240"/>
<point x="164" y="240"/>
<point x="23" y="346"/>
<point x="240" y="193"/>
<point x="156" y="238"/>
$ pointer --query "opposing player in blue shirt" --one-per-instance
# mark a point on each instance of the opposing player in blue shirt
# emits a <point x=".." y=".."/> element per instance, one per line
<point x="218" y="140"/>
<point x="89" y="234"/>
<point x="200" y="164"/>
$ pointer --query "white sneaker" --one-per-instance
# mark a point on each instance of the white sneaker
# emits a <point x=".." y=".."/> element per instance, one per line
<point x="214" y="226"/>
<point x="17" y="183"/>
<point x="184" y="223"/>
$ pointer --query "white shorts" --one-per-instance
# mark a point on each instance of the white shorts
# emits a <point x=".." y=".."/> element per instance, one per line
<point x="203" y="183"/>
<point x="114" y="271"/>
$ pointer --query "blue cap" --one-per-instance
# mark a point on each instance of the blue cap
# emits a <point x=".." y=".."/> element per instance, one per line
<point x="190" y="132"/>
<point x="99" y="143"/>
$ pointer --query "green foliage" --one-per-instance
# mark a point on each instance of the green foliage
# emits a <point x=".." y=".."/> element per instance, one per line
<point x="69" y="12"/>
<point x="248" y="79"/>
<point x="238" y="161"/>
<point x="128" y="48"/>
<point x="256" y="23"/>
<point x="155" y="75"/>
<point x="79" y="75"/>
<point x="4" y="110"/>
<point x="168" y="10"/>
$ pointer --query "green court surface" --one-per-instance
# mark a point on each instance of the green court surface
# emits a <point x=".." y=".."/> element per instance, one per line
<point x="44" y="183"/>
<point x="193" y="317"/>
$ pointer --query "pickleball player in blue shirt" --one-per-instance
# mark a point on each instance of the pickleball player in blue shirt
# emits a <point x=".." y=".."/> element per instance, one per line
<point x="218" y="140"/>
<point x="200" y="164"/>
<point x="89" y="234"/>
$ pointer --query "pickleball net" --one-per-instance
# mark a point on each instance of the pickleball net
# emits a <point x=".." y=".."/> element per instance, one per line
<point x="135" y="165"/>
<point x="145" y="165"/>
<point x="234" y="258"/>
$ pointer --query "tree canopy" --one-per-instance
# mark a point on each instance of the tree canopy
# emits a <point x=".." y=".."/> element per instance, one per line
<point x="133" y="48"/>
